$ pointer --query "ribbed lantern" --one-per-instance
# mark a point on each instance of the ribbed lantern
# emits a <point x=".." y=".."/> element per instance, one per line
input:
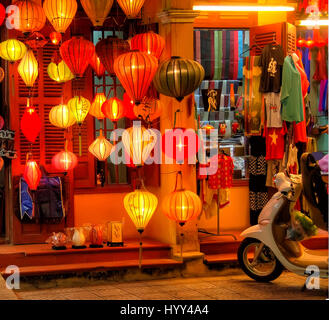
<point x="96" y="106"/>
<point x="77" y="53"/>
<point x="135" y="71"/>
<point x="60" y="116"/>
<point x="12" y="50"/>
<point x="55" y="38"/>
<point x="131" y="8"/>
<point x="31" y="16"/>
<point x="28" y="68"/>
<point x="64" y="161"/>
<point x="177" y="77"/>
<point x="60" y="13"/>
<point x="129" y="107"/>
<point x="97" y="10"/>
<point x="79" y="106"/>
<point x="150" y="43"/>
<point x="59" y="72"/>
<point x="32" y="173"/>
<point x="113" y="109"/>
<point x="109" y="49"/>
<point x="30" y="123"/>
<point x="97" y="65"/>
<point x="101" y="148"/>
<point x="148" y="110"/>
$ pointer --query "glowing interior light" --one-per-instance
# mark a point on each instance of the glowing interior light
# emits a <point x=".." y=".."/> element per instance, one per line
<point x="311" y="23"/>
<point x="243" y="8"/>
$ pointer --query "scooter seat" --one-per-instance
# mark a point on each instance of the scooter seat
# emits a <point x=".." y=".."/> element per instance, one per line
<point x="318" y="258"/>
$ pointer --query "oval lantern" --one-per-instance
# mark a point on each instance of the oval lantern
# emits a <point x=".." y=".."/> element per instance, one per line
<point x="97" y="65"/>
<point x="177" y="77"/>
<point x="60" y="116"/>
<point x="150" y="43"/>
<point x="12" y="50"/>
<point x="109" y="49"/>
<point x="309" y="43"/>
<point x="97" y="10"/>
<point x="135" y="71"/>
<point x="60" y="13"/>
<point x="59" y="72"/>
<point x="77" y="53"/>
<point x="2" y="74"/>
<point x="131" y="8"/>
<point x="32" y="174"/>
<point x="129" y="105"/>
<point x="301" y="42"/>
<point x="31" y="16"/>
<point x="30" y="123"/>
<point x="148" y="110"/>
<point x="2" y="122"/>
<point x="96" y="106"/>
<point x="113" y="109"/>
<point x="79" y="106"/>
<point x="64" y="161"/>
<point x="28" y="68"/>
<point x="55" y="38"/>
<point x="1" y="163"/>
<point x="101" y="148"/>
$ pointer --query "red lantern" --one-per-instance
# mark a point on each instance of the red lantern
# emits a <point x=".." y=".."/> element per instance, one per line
<point x="136" y="71"/>
<point x="32" y="174"/>
<point x="30" y="123"/>
<point x="77" y="53"/>
<point x="97" y="65"/>
<point x="301" y="42"/>
<point x="64" y="161"/>
<point x="150" y="43"/>
<point x="113" y="109"/>
<point x="309" y="43"/>
<point x="180" y="144"/>
<point x="129" y="107"/>
<point x="2" y="122"/>
<point x="109" y="49"/>
<point x="55" y="38"/>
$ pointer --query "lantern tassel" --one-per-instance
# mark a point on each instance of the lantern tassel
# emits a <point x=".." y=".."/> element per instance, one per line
<point x="181" y="240"/>
<point x="140" y="249"/>
<point x="80" y="142"/>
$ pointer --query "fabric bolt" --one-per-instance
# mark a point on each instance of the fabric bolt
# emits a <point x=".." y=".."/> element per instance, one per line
<point x="240" y="63"/>
<point x="275" y="142"/>
<point x="232" y="55"/>
<point x="273" y="110"/>
<point x="206" y="53"/>
<point x="197" y="50"/>
<point x="323" y="95"/>
<point x="236" y="55"/>
<point x="273" y="168"/>
<point x="224" y="55"/>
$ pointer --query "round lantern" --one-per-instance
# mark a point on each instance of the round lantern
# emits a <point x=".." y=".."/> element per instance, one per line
<point x="180" y="144"/>
<point x="28" y="69"/>
<point x="96" y="106"/>
<point x="59" y="72"/>
<point x="301" y="42"/>
<point x="101" y="148"/>
<point x="131" y="8"/>
<point x="2" y="74"/>
<point x="150" y="43"/>
<point x="60" y="116"/>
<point x="60" y="13"/>
<point x="109" y="49"/>
<point x="30" y="123"/>
<point x="77" y="53"/>
<point x="31" y="16"/>
<point x="12" y="50"/>
<point x="79" y="106"/>
<point x="64" y="161"/>
<point x="2" y="122"/>
<point x="113" y="109"/>
<point x="55" y="38"/>
<point x="97" y="66"/>
<point x="148" y="110"/>
<point x="129" y="107"/>
<point x="177" y="77"/>
<point x="309" y="43"/>
<point x="97" y="10"/>
<point x="32" y="174"/>
<point x="1" y="163"/>
<point x="135" y="71"/>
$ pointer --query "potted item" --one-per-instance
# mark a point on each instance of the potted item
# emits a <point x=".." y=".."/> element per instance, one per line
<point x="96" y="236"/>
<point x="58" y="241"/>
<point x="78" y="239"/>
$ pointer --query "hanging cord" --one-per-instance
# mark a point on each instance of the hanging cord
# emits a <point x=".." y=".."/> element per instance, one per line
<point x="175" y="117"/>
<point x="179" y="173"/>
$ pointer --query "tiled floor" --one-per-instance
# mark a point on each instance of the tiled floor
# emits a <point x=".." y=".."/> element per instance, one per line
<point x="228" y="287"/>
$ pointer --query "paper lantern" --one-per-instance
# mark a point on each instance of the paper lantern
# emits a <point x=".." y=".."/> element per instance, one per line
<point x="64" y="161"/>
<point x="135" y="71"/>
<point x="301" y="42"/>
<point x="113" y="109"/>
<point x="97" y="66"/>
<point x="32" y="174"/>
<point x="101" y="148"/>
<point x="12" y="50"/>
<point x="131" y="8"/>
<point x="148" y="110"/>
<point x="77" y="53"/>
<point x="30" y="123"/>
<point x="150" y="43"/>
<point x="129" y="105"/>
<point x="60" y="13"/>
<point x="55" y="38"/>
<point x="109" y="49"/>
<point x="177" y="77"/>
<point x="97" y="10"/>
<point x="28" y="68"/>
<point x="96" y="106"/>
<point x="2" y="74"/>
<point x="59" y="72"/>
<point x="2" y="122"/>
<point x="309" y="43"/>
<point x="79" y="106"/>
<point x="1" y="163"/>
<point x="60" y="116"/>
<point x="31" y="16"/>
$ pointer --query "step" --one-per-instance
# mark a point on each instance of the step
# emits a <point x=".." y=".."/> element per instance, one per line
<point x="219" y="246"/>
<point x="220" y="258"/>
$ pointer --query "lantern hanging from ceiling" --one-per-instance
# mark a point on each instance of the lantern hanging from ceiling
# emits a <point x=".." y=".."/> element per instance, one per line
<point x="77" y="53"/>
<point x="32" y="173"/>
<point x="101" y="148"/>
<point x="109" y="49"/>
<point x="28" y="68"/>
<point x="177" y="77"/>
<point x="150" y="43"/>
<point x="96" y="106"/>
<point x="131" y="8"/>
<point x="309" y="43"/>
<point x="31" y="16"/>
<point x="55" y="38"/>
<point x="59" y="72"/>
<point x="135" y="71"/>
<point x="97" y="10"/>
<point x="30" y="123"/>
<point x="79" y="106"/>
<point x="301" y="42"/>
<point x="1" y="163"/>
<point x="12" y="50"/>
<point x="60" y="116"/>
<point x="148" y="110"/>
<point x="64" y="161"/>
<point x="60" y="13"/>
<point x="97" y="65"/>
<point x="113" y="109"/>
<point x="129" y="105"/>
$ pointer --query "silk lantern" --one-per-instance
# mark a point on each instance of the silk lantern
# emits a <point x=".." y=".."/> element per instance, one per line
<point x="12" y="50"/>
<point x="60" y="13"/>
<point x="2" y="122"/>
<point x="28" y="68"/>
<point x="150" y="43"/>
<point x="97" y="10"/>
<point x="96" y="106"/>
<point x="101" y="148"/>
<point x="301" y="42"/>
<point x="59" y="72"/>
<point x="61" y="116"/>
<point x="113" y="109"/>
<point x="97" y="65"/>
<point x="131" y="8"/>
<point x="129" y="107"/>
<point x="177" y="77"/>
<point x="2" y="74"/>
<point x="32" y="173"/>
<point x="309" y="43"/>
<point x="148" y="110"/>
<point x="109" y="49"/>
<point x="55" y="38"/>
<point x="135" y="71"/>
<point x="30" y="123"/>
<point x="77" y="53"/>
<point x="64" y="161"/>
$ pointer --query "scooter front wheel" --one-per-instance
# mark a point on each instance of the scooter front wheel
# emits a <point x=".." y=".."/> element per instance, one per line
<point x="263" y="268"/>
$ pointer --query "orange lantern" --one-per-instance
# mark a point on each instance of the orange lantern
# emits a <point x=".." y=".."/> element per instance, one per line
<point x="150" y="43"/>
<point x="55" y="38"/>
<point x="97" y="65"/>
<point x="96" y="106"/>
<point x="301" y="42"/>
<point x="1" y="163"/>
<point x="101" y="148"/>
<point x="64" y="161"/>
<point x="131" y="8"/>
<point x="32" y="173"/>
<point x="148" y="110"/>
<point x="113" y="109"/>
<point x="135" y="71"/>
<point x="28" y="68"/>
<point x="97" y="10"/>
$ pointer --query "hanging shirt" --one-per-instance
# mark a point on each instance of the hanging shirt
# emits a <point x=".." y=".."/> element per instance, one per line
<point x="222" y="179"/>
<point x="275" y="142"/>
<point x="271" y="61"/>
<point x="273" y="110"/>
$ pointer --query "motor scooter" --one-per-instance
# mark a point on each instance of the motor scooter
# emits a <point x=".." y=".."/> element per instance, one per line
<point x="266" y="250"/>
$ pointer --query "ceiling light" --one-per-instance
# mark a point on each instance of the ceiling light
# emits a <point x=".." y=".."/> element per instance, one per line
<point x="243" y="8"/>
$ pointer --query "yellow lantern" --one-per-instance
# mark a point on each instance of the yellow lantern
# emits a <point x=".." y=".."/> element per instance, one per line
<point x="60" y="116"/>
<point x="97" y="10"/>
<point x="79" y="106"/>
<point x="28" y="68"/>
<point x="101" y="148"/>
<point x="12" y="50"/>
<point x="96" y="106"/>
<point x="59" y="72"/>
<point x="131" y="8"/>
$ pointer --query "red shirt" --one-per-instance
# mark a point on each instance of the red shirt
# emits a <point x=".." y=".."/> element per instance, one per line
<point x="275" y="142"/>
<point x="224" y="175"/>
